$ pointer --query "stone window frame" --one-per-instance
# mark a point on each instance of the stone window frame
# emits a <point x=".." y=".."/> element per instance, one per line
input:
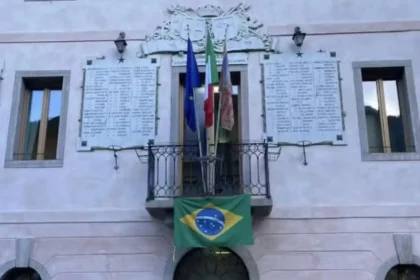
<point x="412" y="100"/>
<point x="403" y="244"/>
<point x="243" y="253"/>
<point x="23" y="259"/>
<point x="15" y="120"/>
<point x="38" y="267"/>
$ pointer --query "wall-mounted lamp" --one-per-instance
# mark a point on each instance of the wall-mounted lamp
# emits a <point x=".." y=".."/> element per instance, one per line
<point x="2" y="70"/>
<point x="121" y="43"/>
<point x="298" y="37"/>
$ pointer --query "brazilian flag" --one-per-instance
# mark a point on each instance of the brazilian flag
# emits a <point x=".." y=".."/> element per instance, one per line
<point x="213" y="222"/>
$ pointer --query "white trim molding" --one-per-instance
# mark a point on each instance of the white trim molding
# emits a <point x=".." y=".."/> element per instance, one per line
<point x="69" y="37"/>
<point x="347" y="28"/>
<point x="141" y="215"/>
<point x="274" y="30"/>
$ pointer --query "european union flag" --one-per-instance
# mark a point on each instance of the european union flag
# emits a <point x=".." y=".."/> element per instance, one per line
<point x="192" y="81"/>
<point x="213" y="222"/>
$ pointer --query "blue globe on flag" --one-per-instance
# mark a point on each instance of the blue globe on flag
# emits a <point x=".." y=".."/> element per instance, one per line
<point x="210" y="221"/>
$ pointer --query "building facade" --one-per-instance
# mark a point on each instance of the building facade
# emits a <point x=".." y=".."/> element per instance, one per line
<point x="69" y="209"/>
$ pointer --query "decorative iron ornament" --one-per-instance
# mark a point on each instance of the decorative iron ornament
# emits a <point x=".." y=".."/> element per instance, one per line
<point x="241" y="31"/>
<point x="240" y="168"/>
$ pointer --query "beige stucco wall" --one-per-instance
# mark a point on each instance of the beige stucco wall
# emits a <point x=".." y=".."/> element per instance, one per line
<point x="332" y="219"/>
<point x="85" y="15"/>
<point x="335" y="176"/>
<point x="349" y="248"/>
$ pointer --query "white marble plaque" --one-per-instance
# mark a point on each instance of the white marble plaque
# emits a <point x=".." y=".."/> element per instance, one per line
<point x="119" y="105"/>
<point x="302" y="99"/>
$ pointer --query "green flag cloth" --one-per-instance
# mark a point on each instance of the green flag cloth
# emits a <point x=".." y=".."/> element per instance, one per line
<point x="213" y="222"/>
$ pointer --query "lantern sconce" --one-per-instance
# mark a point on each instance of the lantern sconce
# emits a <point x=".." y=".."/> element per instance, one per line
<point x="121" y="44"/>
<point x="298" y="37"/>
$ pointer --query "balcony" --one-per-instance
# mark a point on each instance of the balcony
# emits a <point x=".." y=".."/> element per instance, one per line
<point x="178" y="170"/>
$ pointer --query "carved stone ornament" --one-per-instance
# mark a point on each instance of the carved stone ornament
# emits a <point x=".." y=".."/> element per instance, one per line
<point x="241" y="32"/>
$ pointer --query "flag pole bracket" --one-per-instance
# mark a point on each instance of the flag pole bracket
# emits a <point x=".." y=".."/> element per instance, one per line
<point x="305" y="144"/>
<point x="115" y="149"/>
<point x="210" y="158"/>
<point x="273" y="155"/>
<point x="144" y="158"/>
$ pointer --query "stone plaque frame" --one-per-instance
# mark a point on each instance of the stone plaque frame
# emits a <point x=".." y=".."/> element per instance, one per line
<point x="267" y="58"/>
<point x="82" y="146"/>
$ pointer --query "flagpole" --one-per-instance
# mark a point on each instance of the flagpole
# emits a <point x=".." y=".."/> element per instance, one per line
<point x="218" y="111"/>
<point x="210" y="139"/>
<point x="200" y="148"/>
<point x="220" y="104"/>
<point x="197" y="125"/>
<point x="218" y="122"/>
<point x="217" y="137"/>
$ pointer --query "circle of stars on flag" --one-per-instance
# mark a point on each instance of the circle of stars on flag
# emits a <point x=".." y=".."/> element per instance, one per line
<point x="210" y="221"/>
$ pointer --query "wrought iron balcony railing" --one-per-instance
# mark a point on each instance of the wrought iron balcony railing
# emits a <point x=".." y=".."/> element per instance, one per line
<point x="178" y="170"/>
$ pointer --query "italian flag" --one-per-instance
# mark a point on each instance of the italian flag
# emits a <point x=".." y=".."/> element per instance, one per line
<point x="211" y="80"/>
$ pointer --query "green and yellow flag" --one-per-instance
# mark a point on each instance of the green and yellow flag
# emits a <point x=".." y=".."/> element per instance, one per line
<point x="213" y="222"/>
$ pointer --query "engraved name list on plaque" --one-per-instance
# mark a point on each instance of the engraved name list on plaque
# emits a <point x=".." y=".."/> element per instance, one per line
<point x="119" y="104"/>
<point x="302" y="99"/>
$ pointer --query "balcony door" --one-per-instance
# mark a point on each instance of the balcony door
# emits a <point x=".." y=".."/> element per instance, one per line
<point x="226" y="168"/>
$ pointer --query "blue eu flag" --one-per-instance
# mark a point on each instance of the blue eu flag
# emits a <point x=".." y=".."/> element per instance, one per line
<point x="192" y="82"/>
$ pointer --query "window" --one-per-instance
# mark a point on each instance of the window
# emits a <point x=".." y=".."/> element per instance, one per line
<point x="37" y="123"/>
<point x="227" y="177"/>
<point x="387" y="111"/>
